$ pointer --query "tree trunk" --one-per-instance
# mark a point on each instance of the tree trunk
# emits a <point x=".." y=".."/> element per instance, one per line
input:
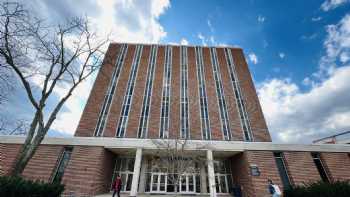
<point x="27" y="152"/>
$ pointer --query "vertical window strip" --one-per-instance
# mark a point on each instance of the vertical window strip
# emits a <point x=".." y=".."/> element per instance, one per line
<point x="204" y="116"/>
<point x="245" y="123"/>
<point x="110" y="92"/>
<point x="143" y="124"/>
<point x="320" y="167"/>
<point x="129" y="92"/>
<point x="184" y="118"/>
<point x="62" y="164"/>
<point x="282" y="169"/>
<point x="220" y="95"/>
<point x="165" y="108"/>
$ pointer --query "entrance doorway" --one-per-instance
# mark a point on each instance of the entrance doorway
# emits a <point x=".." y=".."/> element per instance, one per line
<point x="221" y="183"/>
<point x="158" y="182"/>
<point x="187" y="183"/>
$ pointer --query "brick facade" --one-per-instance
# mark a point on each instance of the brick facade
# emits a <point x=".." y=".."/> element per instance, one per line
<point x="301" y="167"/>
<point x="337" y="165"/>
<point x="257" y="120"/>
<point x="89" y="171"/>
<point x="268" y="170"/>
<point x="92" y="109"/>
<point x="89" y="117"/>
<point x="40" y="167"/>
<point x="43" y="163"/>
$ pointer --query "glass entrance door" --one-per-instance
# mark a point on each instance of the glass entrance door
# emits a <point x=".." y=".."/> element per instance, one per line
<point x="158" y="182"/>
<point x="187" y="183"/>
<point x="221" y="183"/>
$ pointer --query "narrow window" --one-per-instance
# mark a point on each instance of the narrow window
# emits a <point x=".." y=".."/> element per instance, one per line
<point x="184" y="94"/>
<point x="164" y="117"/>
<point x="143" y="124"/>
<point x="129" y="92"/>
<point x="279" y="157"/>
<point x="110" y="92"/>
<point x="62" y="164"/>
<point x="320" y="167"/>
<point x="245" y="123"/>
<point x="220" y="95"/>
<point x="205" y="125"/>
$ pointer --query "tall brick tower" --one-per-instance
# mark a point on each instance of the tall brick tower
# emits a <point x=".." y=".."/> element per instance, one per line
<point x="164" y="91"/>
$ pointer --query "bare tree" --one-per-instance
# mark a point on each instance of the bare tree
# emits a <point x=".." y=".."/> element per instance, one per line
<point x="46" y="58"/>
<point x="6" y="80"/>
<point x="174" y="158"/>
<point x="13" y="127"/>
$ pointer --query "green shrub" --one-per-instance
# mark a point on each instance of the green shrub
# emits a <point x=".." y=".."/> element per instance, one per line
<point x="320" y="189"/>
<point x="17" y="186"/>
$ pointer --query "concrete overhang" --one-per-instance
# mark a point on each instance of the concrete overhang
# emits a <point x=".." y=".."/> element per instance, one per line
<point x="114" y="144"/>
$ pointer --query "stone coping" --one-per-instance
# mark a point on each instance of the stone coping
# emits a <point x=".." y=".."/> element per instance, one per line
<point x="132" y="143"/>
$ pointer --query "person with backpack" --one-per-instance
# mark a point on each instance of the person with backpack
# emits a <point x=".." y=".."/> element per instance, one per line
<point x="274" y="189"/>
<point x="117" y="186"/>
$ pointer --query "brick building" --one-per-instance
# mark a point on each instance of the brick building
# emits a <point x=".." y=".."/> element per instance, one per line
<point x="148" y="96"/>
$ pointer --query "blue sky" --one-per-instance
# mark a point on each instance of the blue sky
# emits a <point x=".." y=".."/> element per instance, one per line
<point x="286" y="36"/>
<point x="298" y="53"/>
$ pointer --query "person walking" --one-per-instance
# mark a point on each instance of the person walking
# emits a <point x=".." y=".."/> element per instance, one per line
<point x="274" y="189"/>
<point x="117" y="186"/>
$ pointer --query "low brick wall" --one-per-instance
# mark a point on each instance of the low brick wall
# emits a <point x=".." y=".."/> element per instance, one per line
<point x="255" y="186"/>
<point x="338" y="165"/>
<point x="301" y="167"/>
<point x="40" y="167"/>
<point x="89" y="171"/>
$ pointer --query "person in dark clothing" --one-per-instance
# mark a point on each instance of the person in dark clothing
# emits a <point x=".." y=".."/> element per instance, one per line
<point x="117" y="186"/>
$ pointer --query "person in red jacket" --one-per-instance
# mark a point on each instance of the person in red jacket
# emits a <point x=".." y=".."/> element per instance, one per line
<point x="117" y="186"/>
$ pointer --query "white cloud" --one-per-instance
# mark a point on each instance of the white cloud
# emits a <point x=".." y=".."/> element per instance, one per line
<point x="332" y="4"/>
<point x="281" y="55"/>
<point x="127" y="21"/>
<point x="123" y="20"/>
<point x="210" y="25"/>
<point x="261" y="19"/>
<point x="314" y="19"/>
<point x="202" y="38"/>
<point x="309" y="37"/>
<point x="294" y="115"/>
<point x="337" y="46"/>
<point x="344" y="57"/>
<point x="265" y="44"/>
<point x="183" y="41"/>
<point x="133" y="21"/>
<point x="223" y="45"/>
<point x="253" y="58"/>
<point x="68" y="120"/>
<point x="212" y="40"/>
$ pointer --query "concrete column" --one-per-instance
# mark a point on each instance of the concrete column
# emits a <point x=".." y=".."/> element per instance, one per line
<point x="211" y="173"/>
<point x="203" y="179"/>
<point x="143" y="175"/>
<point x="136" y="175"/>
